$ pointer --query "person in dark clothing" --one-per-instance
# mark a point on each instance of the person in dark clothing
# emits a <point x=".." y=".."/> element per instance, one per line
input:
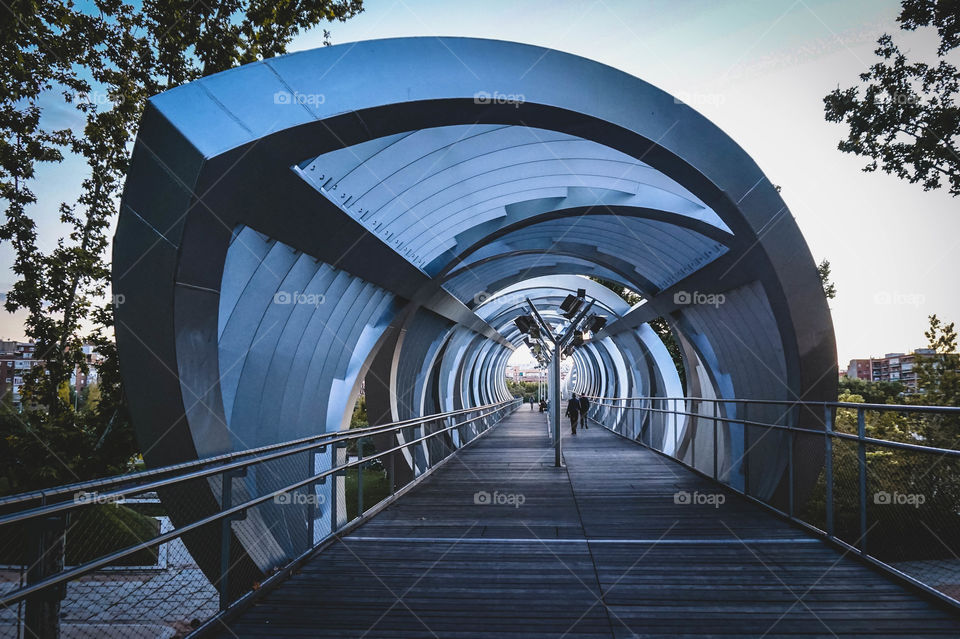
<point x="573" y="412"/>
<point x="584" y="407"/>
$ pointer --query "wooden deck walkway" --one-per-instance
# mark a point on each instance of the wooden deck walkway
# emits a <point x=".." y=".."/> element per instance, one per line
<point x="597" y="549"/>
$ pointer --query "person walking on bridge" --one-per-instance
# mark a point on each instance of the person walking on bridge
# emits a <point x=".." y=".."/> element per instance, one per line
<point x="584" y="407"/>
<point x="573" y="412"/>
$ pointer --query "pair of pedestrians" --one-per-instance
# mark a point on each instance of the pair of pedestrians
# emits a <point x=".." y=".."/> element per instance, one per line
<point x="577" y="409"/>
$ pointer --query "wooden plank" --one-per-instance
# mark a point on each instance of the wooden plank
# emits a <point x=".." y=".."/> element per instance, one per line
<point x="598" y="549"/>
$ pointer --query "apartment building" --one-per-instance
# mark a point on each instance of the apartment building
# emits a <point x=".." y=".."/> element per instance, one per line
<point x="16" y="358"/>
<point x="892" y="367"/>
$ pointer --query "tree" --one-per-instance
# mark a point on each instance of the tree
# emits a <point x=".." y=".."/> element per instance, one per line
<point x="938" y="374"/>
<point x="938" y="380"/>
<point x="627" y="295"/>
<point x="889" y="470"/>
<point x="104" y="60"/>
<point x="906" y="120"/>
<point x="524" y="390"/>
<point x="663" y="330"/>
<point x="659" y="326"/>
<point x="871" y="392"/>
<point x="829" y="288"/>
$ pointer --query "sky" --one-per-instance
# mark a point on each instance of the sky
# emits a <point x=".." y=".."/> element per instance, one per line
<point x="759" y="70"/>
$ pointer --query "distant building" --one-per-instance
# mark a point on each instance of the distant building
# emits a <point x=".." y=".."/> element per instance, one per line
<point x="80" y="380"/>
<point x="524" y="374"/>
<point x="16" y="358"/>
<point x="892" y="367"/>
<point x="859" y="369"/>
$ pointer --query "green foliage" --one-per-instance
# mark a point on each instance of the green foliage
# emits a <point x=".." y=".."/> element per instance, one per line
<point x="938" y="378"/>
<point x="629" y="296"/>
<point x="906" y="120"/>
<point x="890" y="471"/>
<point x="662" y="328"/>
<point x="104" y="59"/>
<point x="872" y="392"/>
<point x="829" y="288"/>
<point x="93" y="531"/>
<point x="938" y="375"/>
<point x="359" y="420"/>
<point x="524" y="390"/>
<point x="376" y="488"/>
<point x="114" y="526"/>
<point x="659" y="326"/>
<point x="359" y="417"/>
<point x="42" y="449"/>
<point x="934" y="477"/>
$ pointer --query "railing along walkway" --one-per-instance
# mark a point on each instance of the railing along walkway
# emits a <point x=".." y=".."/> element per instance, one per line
<point x="621" y="542"/>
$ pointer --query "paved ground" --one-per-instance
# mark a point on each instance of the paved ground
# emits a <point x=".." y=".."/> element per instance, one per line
<point x="139" y="604"/>
<point x="620" y="543"/>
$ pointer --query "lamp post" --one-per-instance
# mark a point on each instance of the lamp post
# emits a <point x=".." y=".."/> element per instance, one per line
<point x="575" y="309"/>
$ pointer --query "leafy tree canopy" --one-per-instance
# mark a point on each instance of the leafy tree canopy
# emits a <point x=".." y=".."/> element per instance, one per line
<point x="904" y="116"/>
<point x="103" y="60"/>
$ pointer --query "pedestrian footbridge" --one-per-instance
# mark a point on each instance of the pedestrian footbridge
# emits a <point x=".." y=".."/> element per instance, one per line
<point x="384" y="224"/>
<point x="621" y="542"/>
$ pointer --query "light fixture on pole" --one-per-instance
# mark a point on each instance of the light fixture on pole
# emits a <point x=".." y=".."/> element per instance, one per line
<point x="575" y="309"/>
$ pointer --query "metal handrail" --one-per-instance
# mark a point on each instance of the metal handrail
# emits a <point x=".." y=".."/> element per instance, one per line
<point x="13" y="597"/>
<point x="809" y="431"/>
<point x="323" y="438"/>
<point x="822" y="410"/>
<point x="900" y="408"/>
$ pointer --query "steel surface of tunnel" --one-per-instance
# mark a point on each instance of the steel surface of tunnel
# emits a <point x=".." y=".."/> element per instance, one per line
<point x="375" y="215"/>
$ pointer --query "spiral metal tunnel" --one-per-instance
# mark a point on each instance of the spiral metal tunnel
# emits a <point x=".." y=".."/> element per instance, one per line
<point x="374" y="215"/>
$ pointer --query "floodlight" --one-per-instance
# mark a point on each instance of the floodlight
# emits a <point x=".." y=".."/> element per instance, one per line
<point x="595" y="323"/>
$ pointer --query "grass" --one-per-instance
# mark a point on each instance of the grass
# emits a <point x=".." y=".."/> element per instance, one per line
<point x="376" y="488"/>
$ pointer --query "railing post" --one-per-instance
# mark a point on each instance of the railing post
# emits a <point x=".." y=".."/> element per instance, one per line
<point x="790" y="463"/>
<point x="390" y="460"/>
<point x="226" y="533"/>
<point x="745" y="458"/>
<point x="360" y="477"/>
<point x="862" y="458"/>
<point x="692" y="430"/>
<point x="419" y="447"/>
<point x="676" y="435"/>
<point x="646" y="421"/>
<point x="828" y="466"/>
<point x="335" y="454"/>
<point x="716" y="442"/>
<point x="311" y="498"/>
<point x="48" y="539"/>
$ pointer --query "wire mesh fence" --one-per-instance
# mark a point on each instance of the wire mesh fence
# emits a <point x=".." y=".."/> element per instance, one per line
<point x="881" y="479"/>
<point x="160" y="553"/>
